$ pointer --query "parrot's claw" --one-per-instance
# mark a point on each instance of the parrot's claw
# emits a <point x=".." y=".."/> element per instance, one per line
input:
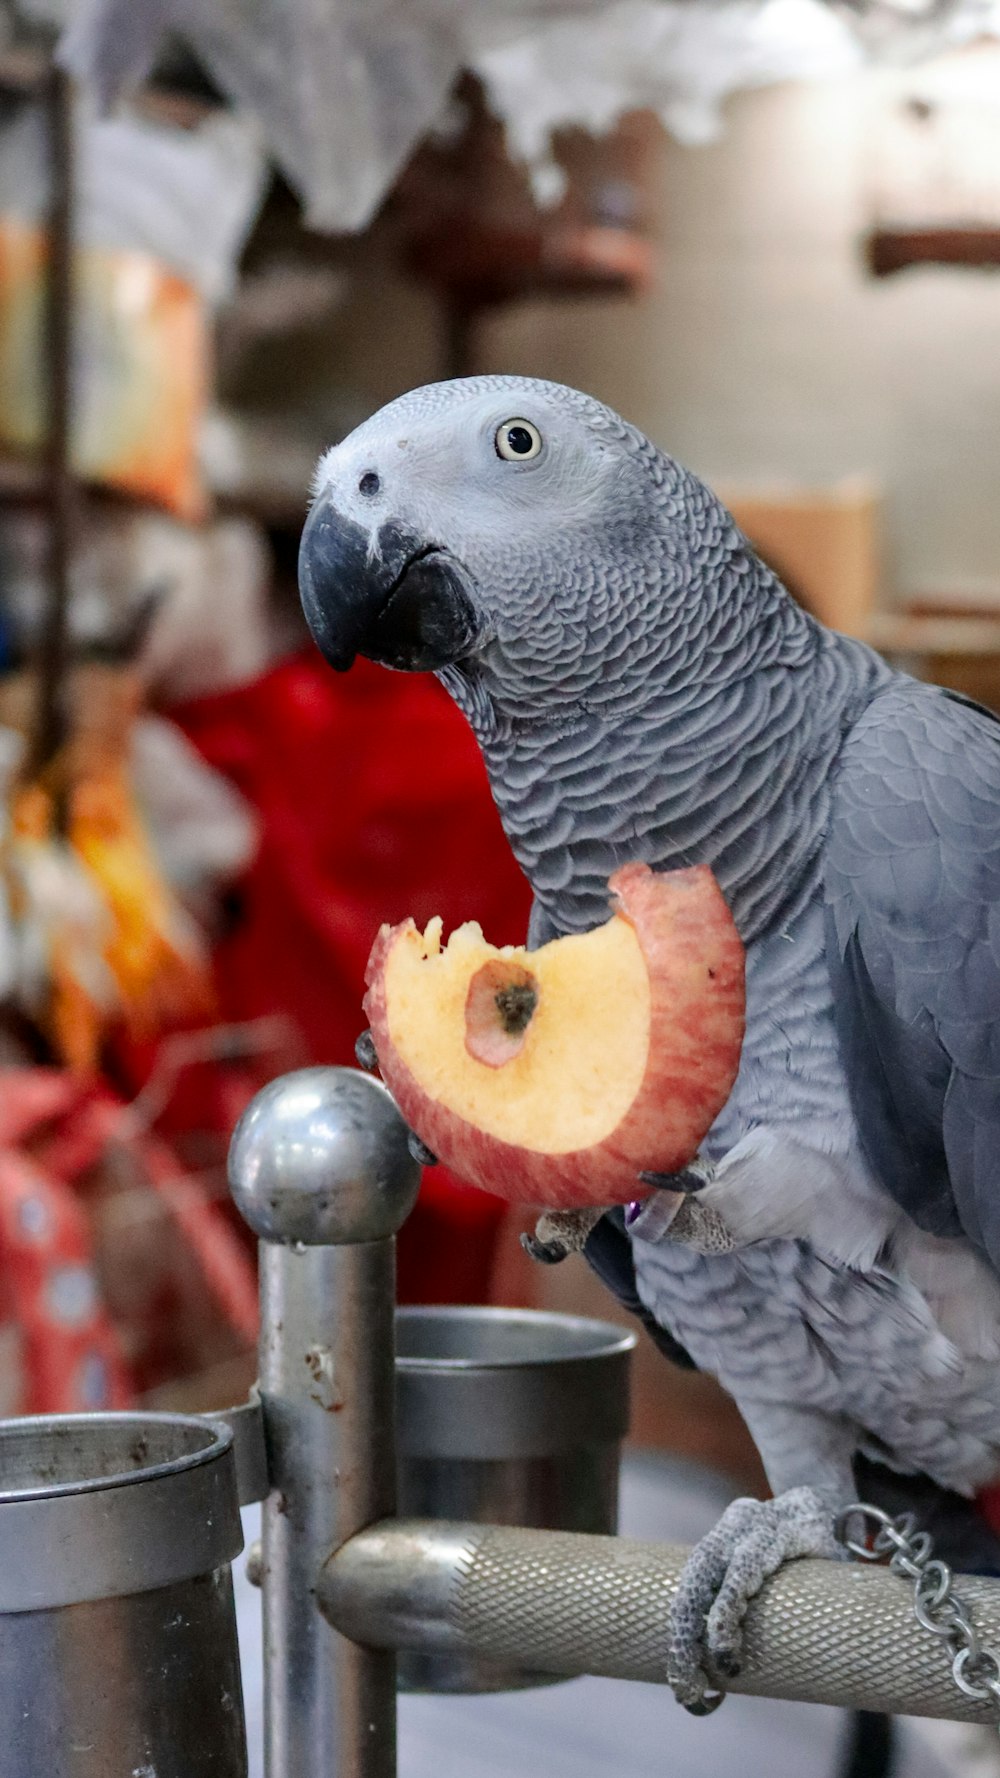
<point x="547" y="1253"/>
<point x="691" y="1179"/>
<point x="723" y="1573"/>
<point x="681" y="1210"/>
<point x="366" y="1056"/>
<point x="558" y="1233"/>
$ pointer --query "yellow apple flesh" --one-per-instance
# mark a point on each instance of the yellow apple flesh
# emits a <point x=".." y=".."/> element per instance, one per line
<point x="555" y="1077"/>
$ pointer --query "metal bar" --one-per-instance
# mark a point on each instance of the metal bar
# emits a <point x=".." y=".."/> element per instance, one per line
<point x="246" y="1423"/>
<point x="560" y="1602"/>
<point x="58" y="347"/>
<point x="459" y="336"/>
<point x="320" y="1169"/>
<point x="327" y="1324"/>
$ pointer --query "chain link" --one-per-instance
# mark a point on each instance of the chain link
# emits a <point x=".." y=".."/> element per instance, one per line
<point x="936" y="1605"/>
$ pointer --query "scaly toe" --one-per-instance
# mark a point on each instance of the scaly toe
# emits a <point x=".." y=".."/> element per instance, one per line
<point x="728" y="1662"/>
<point x="725" y="1571"/>
<point x="701" y="1577"/>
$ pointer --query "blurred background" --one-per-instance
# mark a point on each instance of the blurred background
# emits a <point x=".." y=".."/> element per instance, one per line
<point x="768" y="232"/>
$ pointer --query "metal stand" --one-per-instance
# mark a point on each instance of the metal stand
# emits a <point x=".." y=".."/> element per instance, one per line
<point x="322" y="1156"/>
<point x="117" y="1626"/>
<point x="322" y="1173"/>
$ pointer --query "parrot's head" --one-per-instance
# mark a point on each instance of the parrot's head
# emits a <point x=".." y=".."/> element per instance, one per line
<point x="506" y="527"/>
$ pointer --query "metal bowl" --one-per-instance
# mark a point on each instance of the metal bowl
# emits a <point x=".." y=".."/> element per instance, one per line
<point x="507" y="1417"/>
<point x="118" y="1644"/>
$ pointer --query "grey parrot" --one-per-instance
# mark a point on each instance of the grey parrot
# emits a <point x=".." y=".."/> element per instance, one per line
<point x="643" y="687"/>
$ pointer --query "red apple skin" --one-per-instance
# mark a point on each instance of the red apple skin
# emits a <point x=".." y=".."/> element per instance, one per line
<point x="695" y="962"/>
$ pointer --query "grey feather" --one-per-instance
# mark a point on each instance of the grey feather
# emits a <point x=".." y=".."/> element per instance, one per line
<point x="642" y="687"/>
<point x="913" y="883"/>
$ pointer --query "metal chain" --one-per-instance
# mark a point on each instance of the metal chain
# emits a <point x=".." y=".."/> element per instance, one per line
<point x="936" y="1605"/>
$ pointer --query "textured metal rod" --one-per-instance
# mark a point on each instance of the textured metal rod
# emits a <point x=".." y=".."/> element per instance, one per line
<point x="820" y="1632"/>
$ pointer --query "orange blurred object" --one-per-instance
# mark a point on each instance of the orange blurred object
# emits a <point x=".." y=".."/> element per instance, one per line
<point x="141" y="377"/>
<point x="85" y="884"/>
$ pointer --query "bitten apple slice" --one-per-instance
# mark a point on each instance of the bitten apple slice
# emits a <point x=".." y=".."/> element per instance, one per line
<point x="554" y="1077"/>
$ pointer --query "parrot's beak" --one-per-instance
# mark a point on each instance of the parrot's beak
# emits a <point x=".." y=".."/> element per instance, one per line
<point x="394" y="598"/>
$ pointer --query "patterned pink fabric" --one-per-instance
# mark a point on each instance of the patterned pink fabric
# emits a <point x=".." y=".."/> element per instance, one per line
<point x="63" y="1345"/>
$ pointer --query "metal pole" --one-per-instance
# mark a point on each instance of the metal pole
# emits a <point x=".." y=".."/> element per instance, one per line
<point x="320" y="1169"/>
<point x="561" y="1602"/>
<point x="58" y="346"/>
<point x="459" y="355"/>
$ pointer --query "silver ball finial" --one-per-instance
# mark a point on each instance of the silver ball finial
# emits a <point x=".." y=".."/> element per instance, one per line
<point x="320" y="1157"/>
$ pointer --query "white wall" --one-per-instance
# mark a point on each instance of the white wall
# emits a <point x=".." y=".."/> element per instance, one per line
<point x="767" y="354"/>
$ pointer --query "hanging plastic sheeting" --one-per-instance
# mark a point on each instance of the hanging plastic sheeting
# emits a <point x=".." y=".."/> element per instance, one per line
<point x="345" y="89"/>
<point x="681" y="61"/>
<point x="187" y="198"/>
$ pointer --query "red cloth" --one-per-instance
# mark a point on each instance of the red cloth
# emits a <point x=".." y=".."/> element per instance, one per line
<point x="61" y="1352"/>
<point x="65" y="1347"/>
<point x="374" y="804"/>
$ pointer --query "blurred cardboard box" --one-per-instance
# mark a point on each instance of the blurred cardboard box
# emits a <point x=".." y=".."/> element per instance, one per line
<point x="823" y="542"/>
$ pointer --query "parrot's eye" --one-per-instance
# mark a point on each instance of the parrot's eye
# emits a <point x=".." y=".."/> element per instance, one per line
<point x="517" y="441"/>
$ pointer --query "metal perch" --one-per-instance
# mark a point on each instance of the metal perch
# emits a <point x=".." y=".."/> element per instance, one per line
<point x="820" y="1632"/>
<point x="117" y="1626"/>
<point x="560" y="1602"/>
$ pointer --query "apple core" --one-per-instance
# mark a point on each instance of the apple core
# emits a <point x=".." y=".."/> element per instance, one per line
<point x="556" y="1076"/>
<point x="499" y="1007"/>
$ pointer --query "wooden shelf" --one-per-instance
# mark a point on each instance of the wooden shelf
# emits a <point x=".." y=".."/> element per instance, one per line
<point x="891" y="250"/>
<point x="904" y="632"/>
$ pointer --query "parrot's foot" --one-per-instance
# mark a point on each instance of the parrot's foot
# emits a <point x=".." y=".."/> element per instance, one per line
<point x="559" y="1233"/>
<point x="420" y="1151"/>
<point x="680" y="1210"/>
<point x="723" y="1573"/>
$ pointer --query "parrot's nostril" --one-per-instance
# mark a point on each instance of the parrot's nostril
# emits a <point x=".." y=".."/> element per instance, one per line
<point x="369" y="483"/>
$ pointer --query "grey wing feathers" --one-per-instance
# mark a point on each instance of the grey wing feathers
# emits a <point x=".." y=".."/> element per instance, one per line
<point x="913" y="910"/>
<point x="541" y="927"/>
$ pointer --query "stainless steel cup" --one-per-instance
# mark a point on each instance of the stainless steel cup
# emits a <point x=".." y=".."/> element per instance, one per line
<point x="507" y="1417"/>
<point x="118" y="1654"/>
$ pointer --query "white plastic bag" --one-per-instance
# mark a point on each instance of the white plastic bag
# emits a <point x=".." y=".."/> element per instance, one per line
<point x="345" y="89"/>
